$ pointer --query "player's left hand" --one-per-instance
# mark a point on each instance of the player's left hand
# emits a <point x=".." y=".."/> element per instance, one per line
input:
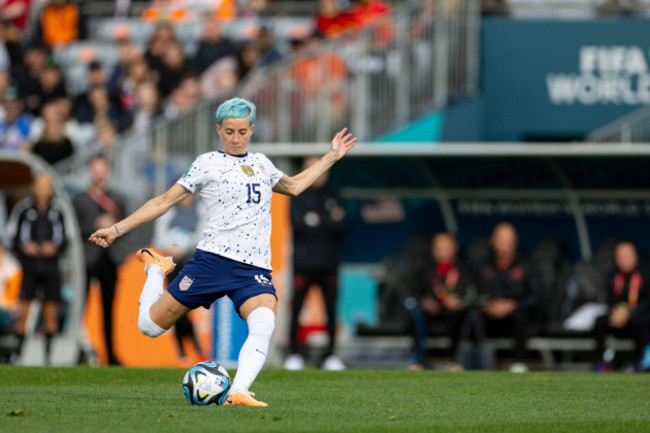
<point x="342" y="143"/>
<point x="103" y="237"/>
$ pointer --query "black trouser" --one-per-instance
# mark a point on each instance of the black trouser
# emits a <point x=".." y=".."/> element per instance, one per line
<point x="637" y="329"/>
<point x="327" y="280"/>
<point x="106" y="272"/>
<point x="514" y="325"/>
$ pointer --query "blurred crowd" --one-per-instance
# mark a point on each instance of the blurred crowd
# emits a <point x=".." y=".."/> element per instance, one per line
<point x="40" y="114"/>
<point x="495" y="290"/>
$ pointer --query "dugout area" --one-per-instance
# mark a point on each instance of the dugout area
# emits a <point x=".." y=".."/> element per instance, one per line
<point x="579" y="197"/>
<point x="17" y="172"/>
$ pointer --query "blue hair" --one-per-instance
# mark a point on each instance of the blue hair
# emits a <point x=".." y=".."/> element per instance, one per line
<point x="236" y="108"/>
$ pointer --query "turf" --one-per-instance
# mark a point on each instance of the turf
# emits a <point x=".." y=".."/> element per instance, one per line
<point x="139" y="400"/>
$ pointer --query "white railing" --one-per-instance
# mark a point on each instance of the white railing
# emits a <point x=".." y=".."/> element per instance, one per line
<point x="632" y="128"/>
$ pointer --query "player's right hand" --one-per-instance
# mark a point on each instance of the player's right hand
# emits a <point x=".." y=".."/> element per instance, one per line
<point x="103" y="237"/>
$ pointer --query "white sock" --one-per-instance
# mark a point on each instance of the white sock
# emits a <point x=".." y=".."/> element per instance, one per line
<point x="152" y="290"/>
<point x="252" y="355"/>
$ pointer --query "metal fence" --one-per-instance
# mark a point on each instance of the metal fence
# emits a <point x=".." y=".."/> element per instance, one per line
<point x="632" y="128"/>
<point x="418" y="59"/>
<point x="412" y="62"/>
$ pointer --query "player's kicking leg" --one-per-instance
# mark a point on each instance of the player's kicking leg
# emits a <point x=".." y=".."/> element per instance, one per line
<point x="158" y="309"/>
<point x="259" y="313"/>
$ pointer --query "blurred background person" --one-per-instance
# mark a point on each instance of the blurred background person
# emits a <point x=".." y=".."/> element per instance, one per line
<point x="101" y="206"/>
<point x="15" y="127"/>
<point x="332" y="21"/>
<point x="60" y="23"/>
<point x="212" y="46"/>
<point x="627" y="296"/>
<point x="439" y="298"/>
<point x="147" y="107"/>
<point x="53" y="145"/>
<point x="512" y="294"/>
<point x="269" y="53"/>
<point x="38" y="241"/>
<point x="176" y="233"/>
<point x="318" y="222"/>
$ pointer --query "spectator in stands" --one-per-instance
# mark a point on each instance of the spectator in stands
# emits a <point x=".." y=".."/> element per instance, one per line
<point x="175" y="235"/>
<point x="107" y="136"/>
<point x="333" y="22"/>
<point x="269" y="53"/>
<point x="15" y="13"/>
<point x="128" y="53"/>
<point x="11" y="45"/>
<point x="52" y="84"/>
<point x="212" y="47"/>
<point x="16" y="125"/>
<point x="53" y="145"/>
<point x="60" y="23"/>
<point x="147" y="107"/>
<point x="163" y="36"/>
<point x="102" y="108"/>
<point x="95" y="76"/>
<point x="79" y="134"/>
<point x="511" y="291"/>
<point x="28" y="76"/>
<point x="173" y="69"/>
<point x="39" y="240"/>
<point x="248" y="59"/>
<point x="184" y="97"/>
<point x="318" y="221"/>
<point x="219" y="79"/>
<point x="138" y="73"/>
<point x="95" y="207"/>
<point x="440" y="297"/>
<point x="627" y="295"/>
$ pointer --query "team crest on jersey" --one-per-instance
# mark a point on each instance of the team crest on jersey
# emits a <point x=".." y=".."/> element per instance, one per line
<point x="263" y="280"/>
<point x="185" y="283"/>
<point x="248" y="170"/>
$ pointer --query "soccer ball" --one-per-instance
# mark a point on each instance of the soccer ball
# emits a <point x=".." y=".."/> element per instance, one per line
<point x="206" y="383"/>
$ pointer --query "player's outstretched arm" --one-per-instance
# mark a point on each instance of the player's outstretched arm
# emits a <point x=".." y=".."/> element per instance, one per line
<point x="147" y="212"/>
<point x="294" y="185"/>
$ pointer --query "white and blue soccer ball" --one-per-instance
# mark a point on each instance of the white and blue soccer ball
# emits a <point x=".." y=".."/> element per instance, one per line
<point x="206" y="383"/>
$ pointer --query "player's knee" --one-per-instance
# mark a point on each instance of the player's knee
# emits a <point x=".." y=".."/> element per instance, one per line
<point x="261" y="321"/>
<point x="147" y="326"/>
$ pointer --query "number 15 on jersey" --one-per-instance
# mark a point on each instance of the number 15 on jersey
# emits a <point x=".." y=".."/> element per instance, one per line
<point x="254" y="193"/>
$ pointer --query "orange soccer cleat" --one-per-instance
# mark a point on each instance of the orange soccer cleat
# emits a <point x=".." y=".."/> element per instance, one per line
<point x="243" y="398"/>
<point x="150" y="258"/>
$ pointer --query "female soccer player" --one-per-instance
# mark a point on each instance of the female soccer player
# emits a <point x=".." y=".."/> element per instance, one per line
<point x="234" y="257"/>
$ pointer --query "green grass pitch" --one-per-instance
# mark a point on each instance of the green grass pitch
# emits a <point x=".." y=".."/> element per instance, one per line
<point x="141" y="400"/>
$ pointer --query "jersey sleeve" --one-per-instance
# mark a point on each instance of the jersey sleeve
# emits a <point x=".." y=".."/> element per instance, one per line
<point x="195" y="176"/>
<point x="274" y="173"/>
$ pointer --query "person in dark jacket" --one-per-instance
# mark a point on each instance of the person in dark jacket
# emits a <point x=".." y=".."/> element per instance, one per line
<point x="213" y="46"/>
<point x="99" y="206"/>
<point x="628" y="297"/>
<point x="510" y="291"/>
<point x="40" y="238"/>
<point x="440" y="296"/>
<point x="318" y="221"/>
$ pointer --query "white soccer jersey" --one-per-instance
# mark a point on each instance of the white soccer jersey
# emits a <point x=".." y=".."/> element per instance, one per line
<point x="236" y="191"/>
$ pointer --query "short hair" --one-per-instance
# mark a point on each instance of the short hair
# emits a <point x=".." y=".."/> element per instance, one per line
<point x="236" y="108"/>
